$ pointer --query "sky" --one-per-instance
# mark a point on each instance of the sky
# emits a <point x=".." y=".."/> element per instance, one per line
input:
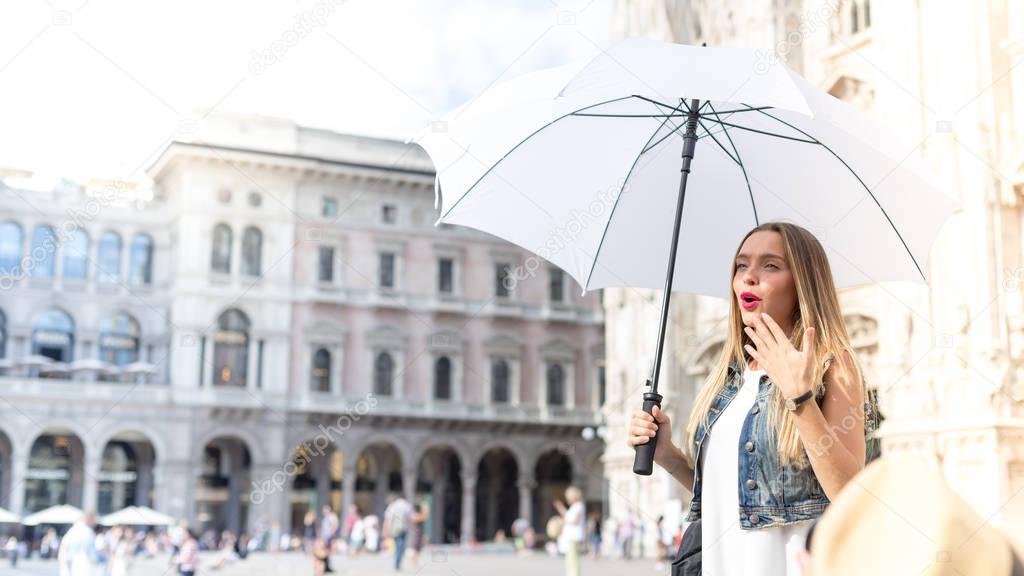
<point x="94" y="88"/>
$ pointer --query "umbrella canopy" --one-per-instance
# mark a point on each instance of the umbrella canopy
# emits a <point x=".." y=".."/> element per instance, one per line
<point x="585" y="175"/>
<point x="35" y="360"/>
<point x="137" y="516"/>
<point x="139" y="368"/>
<point x="55" y="368"/>
<point x="580" y="164"/>
<point x="60" y="514"/>
<point x="89" y="364"/>
<point x="8" y="517"/>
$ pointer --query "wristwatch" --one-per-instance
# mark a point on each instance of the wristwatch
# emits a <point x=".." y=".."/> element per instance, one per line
<point x="793" y="403"/>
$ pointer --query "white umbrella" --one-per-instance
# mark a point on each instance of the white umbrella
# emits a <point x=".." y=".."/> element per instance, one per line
<point x="55" y="368"/>
<point x="589" y="166"/>
<point x="137" y="516"/>
<point x="34" y="360"/>
<point x="60" y="514"/>
<point x="8" y="517"/>
<point x="139" y="368"/>
<point x="89" y="364"/>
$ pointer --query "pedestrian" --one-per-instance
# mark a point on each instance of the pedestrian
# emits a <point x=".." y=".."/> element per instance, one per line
<point x="574" y="520"/>
<point x="77" y="552"/>
<point x="321" y="554"/>
<point x="420" y="514"/>
<point x="187" y="558"/>
<point x="309" y="530"/>
<point x="357" y="535"/>
<point x="371" y="524"/>
<point x="594" y="535"/>
<point x="11" y="548"/>
<point x="396" y="526"/>
<point x="786" y="400"/>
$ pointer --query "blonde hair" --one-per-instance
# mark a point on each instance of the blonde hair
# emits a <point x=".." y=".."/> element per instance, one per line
<point x="817" y="306"/>
<point x="573" y="494"/>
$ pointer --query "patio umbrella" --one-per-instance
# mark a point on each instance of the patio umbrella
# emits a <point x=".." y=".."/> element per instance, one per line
<point x="59" y="514"/>
<point x="137" y="516"/>
<point x="589" y="166"/>
<point x="35" y="360"/>
<point x="8" y="517"/>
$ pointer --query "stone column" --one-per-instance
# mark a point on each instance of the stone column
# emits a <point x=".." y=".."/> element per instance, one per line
<point x="468" y="507"/>
<point x="323" y="483"/>
<point x="409" y="477"/>
<point x="84" y="485"/>
<point x="380" y="493"/>
<point x="439" y="486"/>
<point x="268" y="497"/>
<point x="174" y="494"/>
<point x="348" y="487"/>
<point x="144" y="480"/>
<point x="233" y="509"/>
<point x="19" y="470"/>
<point x="526" y="486"/>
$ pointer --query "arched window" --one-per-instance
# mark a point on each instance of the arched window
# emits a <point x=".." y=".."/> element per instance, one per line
<point x="117" y="478"/>
<point x="556" y="385"/>
<point x="499" y="382"/>
<point x="220" y="252"/>
<point x="383" y="374"/>
<point x="443" y="378"/>
<point x="76" y="255"/>
<point x="108" y="258"/>
<point x="140" y="265"/>
<point x="53" y="335"/>
<point x="320" y="373"/>
<point x="252" y="251"/>
<point x="10" y="248"/>
<point x="119" y="340"/>
<point x="44" y="249"/>
<point x="231" y="349"/>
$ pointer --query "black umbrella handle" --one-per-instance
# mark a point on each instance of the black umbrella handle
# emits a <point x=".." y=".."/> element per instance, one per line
<point x="643" y="461"/>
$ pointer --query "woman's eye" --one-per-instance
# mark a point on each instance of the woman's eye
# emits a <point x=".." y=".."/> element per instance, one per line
<point x="739" y="265"/>
<point x="773" y="266"/>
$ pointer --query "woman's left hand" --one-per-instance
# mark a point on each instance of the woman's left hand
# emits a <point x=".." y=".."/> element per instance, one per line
<point x="789" y="369"/>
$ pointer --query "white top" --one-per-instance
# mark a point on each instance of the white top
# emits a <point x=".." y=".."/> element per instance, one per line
<point x="726" y="548"/>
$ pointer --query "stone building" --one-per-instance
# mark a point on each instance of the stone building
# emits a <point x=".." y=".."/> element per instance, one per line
<point x="274" y="325"/>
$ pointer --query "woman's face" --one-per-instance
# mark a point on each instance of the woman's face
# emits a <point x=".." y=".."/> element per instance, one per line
<point x="762" y="281"/>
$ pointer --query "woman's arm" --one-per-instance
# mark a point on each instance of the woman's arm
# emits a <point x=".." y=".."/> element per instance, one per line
<point x="677" y="466"/>
<point x="833" y="434"/>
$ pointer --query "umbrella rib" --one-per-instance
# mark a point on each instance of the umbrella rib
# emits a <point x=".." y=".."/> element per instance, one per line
<point x="766" y="133"/>
<point x="866" y="189"/>
<point x="523" y="141"/>
<point x="746" y="178"/>
<point x="604" y="233"/>
<point x="719" y="143"/>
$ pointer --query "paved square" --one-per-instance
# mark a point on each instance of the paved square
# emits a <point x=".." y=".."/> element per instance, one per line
<point x="439" y="564"/>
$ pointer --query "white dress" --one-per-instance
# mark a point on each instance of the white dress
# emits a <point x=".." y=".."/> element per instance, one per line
<point x="726" y="548"/>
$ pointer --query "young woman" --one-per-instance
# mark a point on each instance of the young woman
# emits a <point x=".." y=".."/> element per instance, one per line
<point x="779" y="426"/>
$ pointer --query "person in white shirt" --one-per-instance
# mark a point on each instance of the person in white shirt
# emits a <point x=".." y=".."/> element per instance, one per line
<point x="573" y="528"/>
<point x="77" y="552"/>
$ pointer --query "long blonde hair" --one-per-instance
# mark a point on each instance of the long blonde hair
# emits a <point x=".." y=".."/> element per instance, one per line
<point x="817" y="306"/>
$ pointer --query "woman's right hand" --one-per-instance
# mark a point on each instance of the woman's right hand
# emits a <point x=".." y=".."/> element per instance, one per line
<point x="644" y="426"/>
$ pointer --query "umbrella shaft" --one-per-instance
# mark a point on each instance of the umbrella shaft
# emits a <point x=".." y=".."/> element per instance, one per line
<point x="689" y="145"/>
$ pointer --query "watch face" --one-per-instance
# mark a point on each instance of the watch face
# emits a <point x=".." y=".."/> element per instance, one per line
<point x="790" y="405"/>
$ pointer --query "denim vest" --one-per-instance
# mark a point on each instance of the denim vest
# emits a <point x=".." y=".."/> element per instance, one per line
<point x="770" y="494"/>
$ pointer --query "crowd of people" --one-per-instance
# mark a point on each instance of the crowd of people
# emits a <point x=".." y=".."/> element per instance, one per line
<point x="326" y="537"/>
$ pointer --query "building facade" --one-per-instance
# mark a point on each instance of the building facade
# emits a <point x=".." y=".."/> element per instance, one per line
<point x="943" y="359"/>
<point x="275" y="325"/>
